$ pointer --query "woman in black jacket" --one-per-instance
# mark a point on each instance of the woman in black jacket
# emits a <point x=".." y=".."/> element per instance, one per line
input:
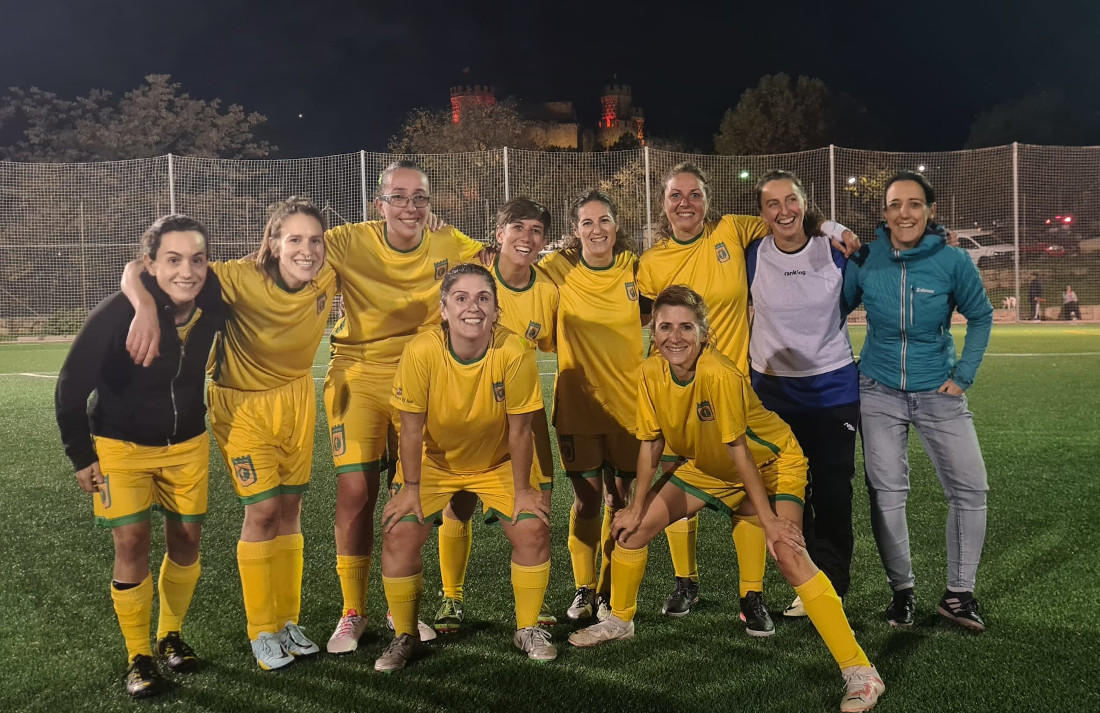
<point x="141" y="444"/>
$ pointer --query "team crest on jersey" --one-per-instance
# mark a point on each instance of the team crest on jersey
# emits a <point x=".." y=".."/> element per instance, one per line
<point x="631" y="292"/>
<point x="321" y="301"/>
<point x="244" y="471"/>
<point x="567" y="452"/>
<point x="706" y="413"/>
<point x="105" y="492"/>
<point x="498" y="390"/>
<point x="722" y="253"/>
<point x="338" y="444"/>
<point x="533" y="329"/>
<point x="441" y="269"/>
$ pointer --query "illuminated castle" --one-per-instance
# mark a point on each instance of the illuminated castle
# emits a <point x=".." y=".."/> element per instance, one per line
<point x="555" y="123"/>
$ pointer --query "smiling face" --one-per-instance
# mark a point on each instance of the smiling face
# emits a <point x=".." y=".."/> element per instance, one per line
<point x="679" y="338"/>
<point x="404" y="225"/>
<point x="907" y="213"/>
<point x="521" y="240"/>
<point x="300" y="250"/>
<point x="180" y="265"/>
<point x="685" y="205"/>
<point x="783" y="208"/>
<point x="596" y="229"/>
<point x="470" y="309"/>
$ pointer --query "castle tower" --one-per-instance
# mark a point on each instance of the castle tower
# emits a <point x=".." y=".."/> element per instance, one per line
<point x="615" y="105"/>
<point x="470" y="95"/>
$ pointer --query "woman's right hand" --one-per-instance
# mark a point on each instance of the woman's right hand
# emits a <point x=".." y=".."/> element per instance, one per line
<point x="780" y="530"/>
<point x="143" y="339"/>
<point x="406" y="502"/>
<point x="89" y="478"/>
<point x="628" y="520"/>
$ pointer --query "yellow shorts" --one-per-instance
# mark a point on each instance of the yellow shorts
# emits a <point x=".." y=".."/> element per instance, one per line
<point x="138" y="479"/>
<point x="582" y="455"/>
<point x="357" y="404"/>
<point x="265" y="437"/>
<point x="784" y="479"/>
<point x="494" y="487"/>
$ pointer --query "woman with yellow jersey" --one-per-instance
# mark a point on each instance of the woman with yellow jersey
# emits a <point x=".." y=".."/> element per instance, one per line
<point x="707" y="252"/>
<point x="528" y="306"/>
<point x="740" y="458"/>
<point x="466" y="392"/>
<point x="263" y="412"/>
<point x="599" y="340"/>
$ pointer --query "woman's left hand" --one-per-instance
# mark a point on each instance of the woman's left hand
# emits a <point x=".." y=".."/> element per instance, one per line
<point x="849" y="244"/>
<point x="950" y="387"/>
<point x="529" y="500"/>
<point x="434" y="222"/>
<point x="486" y="257"/>
<point x="952" y="237"/>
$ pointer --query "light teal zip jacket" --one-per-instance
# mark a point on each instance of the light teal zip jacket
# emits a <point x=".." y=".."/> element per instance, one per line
<point x="910" y="296"/>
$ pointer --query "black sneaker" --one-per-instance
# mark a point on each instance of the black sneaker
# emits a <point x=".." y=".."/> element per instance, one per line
<point x="142" y="678"/>
<point x="682" y="598"/>
<point x="758" y="622"/>
<point x="902" y="607"/>
<point x="176" y="654"/>
<point x="962" y="609"/>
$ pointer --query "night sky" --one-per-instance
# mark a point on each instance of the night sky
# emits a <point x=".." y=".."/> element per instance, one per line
<point x="353" y="69"/>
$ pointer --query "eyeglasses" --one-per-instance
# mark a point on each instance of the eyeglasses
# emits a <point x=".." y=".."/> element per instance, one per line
<point x="399" y="201"/>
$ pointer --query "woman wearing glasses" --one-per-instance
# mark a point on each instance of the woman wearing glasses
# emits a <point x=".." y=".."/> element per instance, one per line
<point x="390" y="271"/>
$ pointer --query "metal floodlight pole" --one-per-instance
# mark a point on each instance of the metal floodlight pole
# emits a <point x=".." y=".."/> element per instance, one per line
<point x="363" y="182"/>
<point x="648" y="201"/>
<point x="1016" y="219"/>
<point x="507" y="192"/>
<point x="171" y="185"/>
<point x="832" y="182"/>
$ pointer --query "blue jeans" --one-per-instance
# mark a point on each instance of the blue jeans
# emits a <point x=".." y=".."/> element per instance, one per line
<point x="946" y="430"/>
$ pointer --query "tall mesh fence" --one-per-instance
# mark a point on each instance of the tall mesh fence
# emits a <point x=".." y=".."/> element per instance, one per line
<point x="1026" y="214"/>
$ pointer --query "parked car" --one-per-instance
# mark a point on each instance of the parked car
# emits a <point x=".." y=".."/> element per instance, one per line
<point x="979" y="245"/>
<point x="1043" y="248"/>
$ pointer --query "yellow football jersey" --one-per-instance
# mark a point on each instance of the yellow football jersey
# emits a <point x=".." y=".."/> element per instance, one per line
<point x="712" y="264"/>
<point x="530" y="311"/>
<point x="599" y="339"/>
<point x="389" y="294"/>
<point x="699" y="418"/>
<point x="272" y="332"/>
<point x="467" y="403"/>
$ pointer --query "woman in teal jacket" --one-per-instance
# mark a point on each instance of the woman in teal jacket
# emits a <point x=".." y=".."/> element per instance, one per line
<point x="911" y="282"/>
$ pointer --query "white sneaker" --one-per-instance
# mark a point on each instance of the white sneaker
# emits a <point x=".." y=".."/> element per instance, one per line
<point x="535" y="642"/>
<point x="611" y="629"/>
<point x="581" y="608"/>
<point x="862" y="688"/>
<point x="397" y="654"/>
<point x="348" y="630"/>
<point x="795" y="610"/>
<point x="269" y="653"/>
<point x="295" y="642"/>
<point x="603" y="607"/>
<point x="427" y="633"/>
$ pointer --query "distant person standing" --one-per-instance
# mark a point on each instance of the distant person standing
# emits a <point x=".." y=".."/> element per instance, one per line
<point x="1035" y="296"/>
<point x="1070" y="309"/>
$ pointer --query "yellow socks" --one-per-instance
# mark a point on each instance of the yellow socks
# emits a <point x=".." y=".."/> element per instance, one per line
<point x="607" y="546"/>
<point x="354" y="573"/>
<point x="752" y="552"/>
<point x="627" y="568"/>
<point x="403" y="597"/>
<point x="254" y="560"/>
<point x="455" y="539"/>
<point x="176" y="586"/>
<point x="529" y="588"/>
<point x="682" y="536"/>
<point x="134" y="609"/>
<point x="286" y="577"/>
<point x="584" y="538"/>
<point x="826" y="611"/>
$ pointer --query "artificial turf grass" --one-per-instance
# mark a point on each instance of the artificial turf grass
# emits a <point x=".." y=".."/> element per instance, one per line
<point x="61" y="649"/>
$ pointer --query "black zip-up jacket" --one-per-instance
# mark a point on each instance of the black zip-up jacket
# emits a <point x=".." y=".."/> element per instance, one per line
<point x="152" y="406"/>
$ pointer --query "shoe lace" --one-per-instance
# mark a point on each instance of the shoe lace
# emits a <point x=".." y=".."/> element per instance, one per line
<point x="398" y="646"/>
<point x="144" y="666"/>
<point x="755" y="604"/>
<point x="347" y="624"/>
<point x="684" y="586"/>
<point x="582" y="596"/>
<point x="173" y="645"/>
<point x="536" y="636"/>
<point x="296" y="634"/>
<point x="449" y="609"/>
